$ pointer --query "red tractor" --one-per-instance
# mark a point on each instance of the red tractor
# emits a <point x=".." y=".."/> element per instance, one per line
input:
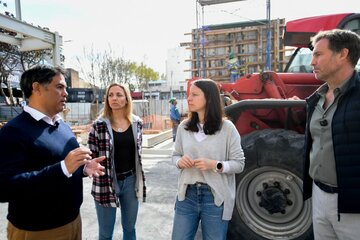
<point x="269" y="203"/>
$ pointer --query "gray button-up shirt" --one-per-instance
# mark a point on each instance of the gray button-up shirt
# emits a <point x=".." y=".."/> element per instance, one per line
<point x="322" y="160"/>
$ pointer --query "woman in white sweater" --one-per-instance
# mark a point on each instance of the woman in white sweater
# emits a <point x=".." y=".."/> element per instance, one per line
<point x="208" y="153"/>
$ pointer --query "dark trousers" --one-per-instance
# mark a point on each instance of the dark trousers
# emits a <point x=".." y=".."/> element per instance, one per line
<point x="175" y="125"/>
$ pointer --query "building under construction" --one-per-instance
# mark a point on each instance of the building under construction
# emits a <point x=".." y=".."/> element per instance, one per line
<point x="210" y="47"/>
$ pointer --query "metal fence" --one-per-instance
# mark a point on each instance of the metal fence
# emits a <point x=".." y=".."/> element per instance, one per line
<point x="155" y="113"/>
<point x="9" y="112"/>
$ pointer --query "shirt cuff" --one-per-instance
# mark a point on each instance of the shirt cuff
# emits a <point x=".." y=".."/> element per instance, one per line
<point x="64" y="169"/>
<point x="226" y="167"/>
<point x="84" y="170"/>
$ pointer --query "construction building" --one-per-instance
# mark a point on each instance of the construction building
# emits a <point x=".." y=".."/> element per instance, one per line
<point x="210" y="47"/>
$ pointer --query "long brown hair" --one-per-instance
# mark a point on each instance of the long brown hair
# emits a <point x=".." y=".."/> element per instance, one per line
<point x="107" y="111"/>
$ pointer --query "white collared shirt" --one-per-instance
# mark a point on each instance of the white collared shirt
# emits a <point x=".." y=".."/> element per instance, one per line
<point x="37" y="115"/>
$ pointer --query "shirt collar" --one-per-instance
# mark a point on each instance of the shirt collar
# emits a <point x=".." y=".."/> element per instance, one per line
<point x="344" y="86"/>
<point x="37" y="115"/>
<point x="340" y="89"/>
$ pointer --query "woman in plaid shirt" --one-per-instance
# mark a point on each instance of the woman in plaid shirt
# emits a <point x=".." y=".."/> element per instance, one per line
<point x="117" y="134"/>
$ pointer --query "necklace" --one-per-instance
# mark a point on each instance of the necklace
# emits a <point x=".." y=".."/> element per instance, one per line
<point x="119" y="126"/>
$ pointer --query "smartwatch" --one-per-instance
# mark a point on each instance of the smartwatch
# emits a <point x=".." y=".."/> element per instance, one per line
<point x="219" y="166"/>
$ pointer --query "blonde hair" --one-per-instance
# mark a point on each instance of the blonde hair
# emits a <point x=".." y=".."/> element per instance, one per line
<point x="107" y="111"/>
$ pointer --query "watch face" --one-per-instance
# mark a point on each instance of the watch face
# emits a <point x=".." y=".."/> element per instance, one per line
<point x="219" y="166"/>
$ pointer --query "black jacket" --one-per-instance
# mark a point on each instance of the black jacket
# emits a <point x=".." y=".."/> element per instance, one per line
<point x="346" y="142"/>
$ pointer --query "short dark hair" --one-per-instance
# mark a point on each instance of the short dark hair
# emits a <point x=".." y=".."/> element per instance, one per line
<point x="42" y="74"/>
<point x="340" y="39"/>
<point x="214" y="112"/>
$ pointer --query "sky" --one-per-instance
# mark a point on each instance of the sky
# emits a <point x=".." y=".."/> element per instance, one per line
<point x="144" y="30"/>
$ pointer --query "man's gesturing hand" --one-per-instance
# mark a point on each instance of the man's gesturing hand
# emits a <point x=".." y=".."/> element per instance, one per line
<point x="76" y="158"/>
<point x="94" y="168"/>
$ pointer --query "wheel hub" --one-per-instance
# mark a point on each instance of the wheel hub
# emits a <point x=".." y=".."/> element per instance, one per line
<point x="255" y="186"/>
<point x="273" y="198"/>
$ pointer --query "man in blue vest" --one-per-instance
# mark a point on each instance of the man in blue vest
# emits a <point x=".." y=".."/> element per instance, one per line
<point x="42" y="165"/>
<point x="332" y="138"/>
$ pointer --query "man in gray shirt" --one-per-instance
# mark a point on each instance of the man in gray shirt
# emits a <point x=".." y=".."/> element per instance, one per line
<point x="332" y="166"/>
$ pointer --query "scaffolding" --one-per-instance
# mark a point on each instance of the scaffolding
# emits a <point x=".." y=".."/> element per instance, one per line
<point x="210" y="47"/>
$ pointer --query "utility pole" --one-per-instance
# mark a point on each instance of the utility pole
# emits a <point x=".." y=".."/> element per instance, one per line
<point x="268" y="37"/>
<point x="203" y="45"/>
<point x="197" y="42"/>
<point x="171" y="84"/>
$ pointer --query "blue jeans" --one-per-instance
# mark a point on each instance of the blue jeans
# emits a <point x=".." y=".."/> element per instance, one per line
<point x="129" y="206"/>
<point x="199" y="205"/>
<point x="234" y="77"/>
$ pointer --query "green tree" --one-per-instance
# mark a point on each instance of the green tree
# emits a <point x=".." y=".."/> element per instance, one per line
<point x="116" y="69"/>
<point x="143" y="75"/>
<point x="102" y="68"/>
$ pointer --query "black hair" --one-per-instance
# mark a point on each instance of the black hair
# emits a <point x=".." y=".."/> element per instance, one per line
<point x="42" y="74"/>
<point x="214" y="112"/>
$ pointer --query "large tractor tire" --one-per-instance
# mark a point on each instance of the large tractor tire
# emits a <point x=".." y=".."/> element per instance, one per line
<point x="269" y="203"/>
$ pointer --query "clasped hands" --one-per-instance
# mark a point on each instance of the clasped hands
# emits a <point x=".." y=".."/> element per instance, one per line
<point x="82" y="156"/>
<point x="202" y="164"/>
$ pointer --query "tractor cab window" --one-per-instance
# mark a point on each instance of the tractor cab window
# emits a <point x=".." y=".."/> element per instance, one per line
<point x="301" y="63"/>
<point x="353" y="25"/>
